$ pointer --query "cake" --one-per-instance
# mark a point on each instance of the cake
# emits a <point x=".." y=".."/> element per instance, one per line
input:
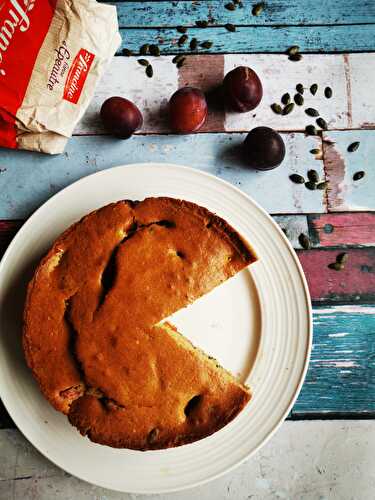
<point x="95" y="335"/>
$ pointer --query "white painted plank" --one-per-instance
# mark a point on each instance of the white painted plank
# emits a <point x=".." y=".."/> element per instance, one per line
<point x="362" y="70"/>
<point x="310" y="460"/>
<point x="293" y="226"/>
<point x="279" y="75"/>
<point x="127" y="78"/>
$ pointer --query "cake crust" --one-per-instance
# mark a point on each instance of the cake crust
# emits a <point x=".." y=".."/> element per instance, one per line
<point x="93" y="332"/>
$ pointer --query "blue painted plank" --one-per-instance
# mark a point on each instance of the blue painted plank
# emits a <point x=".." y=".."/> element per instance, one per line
<point x="341" y="375"/>
<point x="276" y="12"/>
<point x="253" y="39"/>
<point x="29" y="179"/>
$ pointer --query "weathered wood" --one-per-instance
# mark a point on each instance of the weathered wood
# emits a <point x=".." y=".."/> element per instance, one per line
<point x="345" y="229"/>
<point x="362" y="87"/>
<point x="350" y="107"/>
<point x="251" y="39"/>
<point x="279" y="75"/>
<point x="309" y="452"/>
<point x="354" y="283"/>
<point x="30" y="179"/>
<point x="293" y="226"/>
<point x="276" y="12"/>
<point x="345" y="194"/>
<point x="341" y="375"/>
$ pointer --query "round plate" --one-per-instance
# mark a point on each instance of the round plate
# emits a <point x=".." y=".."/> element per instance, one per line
<point x="258" y="325"/>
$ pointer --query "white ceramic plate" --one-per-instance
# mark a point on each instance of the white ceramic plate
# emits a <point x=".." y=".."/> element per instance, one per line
<point x="258" y="325"/>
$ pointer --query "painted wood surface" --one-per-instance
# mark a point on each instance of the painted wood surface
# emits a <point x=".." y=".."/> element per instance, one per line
<point x="300" y="462"/>
<point x="340" y="166"/>
<point x="346" y="229"/>
<point x="27" y="179"/>
<point x="276" y="12"/>
<point x="361" y="86"/>
<point x="354" y="283"/>
<point x="341" y="375"/>
<point x="259" y="39"/>
<point x="352" y="79"/>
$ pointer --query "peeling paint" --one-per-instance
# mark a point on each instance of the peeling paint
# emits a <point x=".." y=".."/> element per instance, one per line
<point x="348" y="79"/>
<point x="334" y="165"/>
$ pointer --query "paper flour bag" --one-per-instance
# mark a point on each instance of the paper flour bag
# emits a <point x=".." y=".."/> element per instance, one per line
<point x="52" y="54"/>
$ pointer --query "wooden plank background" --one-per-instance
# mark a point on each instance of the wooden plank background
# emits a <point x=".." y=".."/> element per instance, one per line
<point x="341" y="375"/>
<point x="350" y="107"/>
<point x="276" y="12"/>
<point x="340" y="380"/>
<point x="258" y="39"/>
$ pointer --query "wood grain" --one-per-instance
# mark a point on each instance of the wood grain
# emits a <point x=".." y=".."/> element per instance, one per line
<point x="354" y="283"/>
<point x="259" y="39"/>
<point x="276" y="12"/>
<point x="30" y="179"/>
<point x="341" y="375"/>
<point x="345" y="194"/>
<point x="349" y="107"/>
<point x="344" y="229"/>
<point x="362" y="70"/>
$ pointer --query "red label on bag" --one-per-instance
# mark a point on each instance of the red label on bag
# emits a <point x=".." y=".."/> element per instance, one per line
<point x="23" y="27"/>
<point x="77" y="75"/>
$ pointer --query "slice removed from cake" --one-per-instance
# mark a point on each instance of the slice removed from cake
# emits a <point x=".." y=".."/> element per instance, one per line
<point x="93" y="335"/>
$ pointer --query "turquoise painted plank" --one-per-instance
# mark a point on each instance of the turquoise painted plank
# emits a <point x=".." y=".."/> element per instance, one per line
<point x="341" y="165"/>
<point x="341" y="375"/>
<point x="29" y="179"/>
<point x="351" y="38"/>
<point x="276" y="12"/>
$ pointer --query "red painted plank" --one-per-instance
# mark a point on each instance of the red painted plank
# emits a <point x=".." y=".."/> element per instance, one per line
<point x="330" y="230"/>
<point x="356" y="282"/>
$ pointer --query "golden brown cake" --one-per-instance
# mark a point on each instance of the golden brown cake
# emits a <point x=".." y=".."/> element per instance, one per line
<point x="93" y="332"/>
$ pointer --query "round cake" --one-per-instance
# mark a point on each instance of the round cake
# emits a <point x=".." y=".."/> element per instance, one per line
<point x="95" y="335"/>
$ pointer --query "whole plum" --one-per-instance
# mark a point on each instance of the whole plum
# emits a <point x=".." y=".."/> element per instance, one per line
<point x="264" y="148"/>
<point x="187" y="110"/>
<point x="120" y="117"/>
<point x="243" y="89"/>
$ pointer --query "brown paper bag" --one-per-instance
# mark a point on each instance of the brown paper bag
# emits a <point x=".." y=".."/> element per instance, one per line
<point x="52" y="55"/>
